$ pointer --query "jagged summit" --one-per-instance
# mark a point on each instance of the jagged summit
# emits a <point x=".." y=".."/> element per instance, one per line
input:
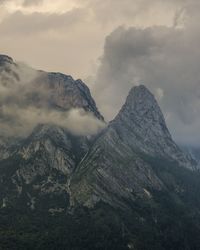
<point x="140" y="97"/>
<point x="4" y="59"/>
<point x="139" y="91"/>
<point x="142" y="125"/>
<point x="142" y="115"/>
<point x="142" y="103"/>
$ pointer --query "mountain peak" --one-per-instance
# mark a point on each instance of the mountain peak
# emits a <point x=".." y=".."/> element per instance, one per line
<point x="142" y="125"/>
<point x="139" y="89"/>
<point x="4" y="59"/>
<point x="140" y="97"/>
<point x="141" y="106"/>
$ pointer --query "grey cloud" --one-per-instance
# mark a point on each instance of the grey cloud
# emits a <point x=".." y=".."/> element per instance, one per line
<point x="23" y="24"/>
<point x="165" y="59"/>
<point x="25" y="3"/>
<point x="28" y="3"/>
<point x="75" y="38"/>
<point x="113" y="10"/>
<point x="20" y="121"/>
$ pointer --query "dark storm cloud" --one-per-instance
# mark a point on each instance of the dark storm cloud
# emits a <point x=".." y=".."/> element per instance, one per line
<point x="167" y="60"/>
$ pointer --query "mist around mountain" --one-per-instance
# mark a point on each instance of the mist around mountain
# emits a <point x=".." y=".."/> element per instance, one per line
<point x="70" y="181"/>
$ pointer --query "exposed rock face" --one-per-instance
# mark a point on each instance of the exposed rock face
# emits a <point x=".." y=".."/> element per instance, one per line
<point x="50" y="147"/>
<point x="114" y="169"/>
<point x="41" y="167"/>
<point x="112" y="172"/>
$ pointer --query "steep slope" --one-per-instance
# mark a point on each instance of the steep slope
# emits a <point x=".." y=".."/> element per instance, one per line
<point x="115" y="169"/>
<point x="37" y="174"/>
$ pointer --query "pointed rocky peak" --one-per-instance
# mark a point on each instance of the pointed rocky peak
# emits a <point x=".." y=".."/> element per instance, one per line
<point x="4" y="59"/>
<point x="138" y="94"/>
<point x="141" y="106"/>
<point x="141" y="124"/>
<point x="142" y="114"/>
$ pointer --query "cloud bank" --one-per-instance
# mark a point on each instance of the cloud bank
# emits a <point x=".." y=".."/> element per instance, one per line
<point x="153" y="42"/>
<point x="68" y="35"/>
<point x="166" y="60"/>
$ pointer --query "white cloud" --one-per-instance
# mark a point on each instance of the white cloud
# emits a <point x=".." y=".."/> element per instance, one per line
<point x="20" y="121"/>
<point x="24" y="103"/>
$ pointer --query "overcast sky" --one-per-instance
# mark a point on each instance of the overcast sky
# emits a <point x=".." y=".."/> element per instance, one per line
<point x="114" y="45"/>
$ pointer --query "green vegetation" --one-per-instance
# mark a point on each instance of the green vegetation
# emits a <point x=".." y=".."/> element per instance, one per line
<point x="168" y="221"/>
<point x="95" y="229"/>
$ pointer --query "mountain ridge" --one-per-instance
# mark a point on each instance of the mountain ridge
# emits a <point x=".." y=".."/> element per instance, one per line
<point x="127" y="187"/>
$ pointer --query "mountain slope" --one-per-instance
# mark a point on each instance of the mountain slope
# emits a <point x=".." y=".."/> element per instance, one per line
<point x="115" y="168"/>
<point x="37" y="166"/>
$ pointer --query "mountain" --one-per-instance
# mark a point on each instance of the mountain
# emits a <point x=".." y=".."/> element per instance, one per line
<point x="126" y="185"/>
<point x="39" y="165"/>
<point x="114" y="169"/>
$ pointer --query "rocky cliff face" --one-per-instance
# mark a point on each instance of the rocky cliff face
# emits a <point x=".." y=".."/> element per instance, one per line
<point x="40" y="168"/>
